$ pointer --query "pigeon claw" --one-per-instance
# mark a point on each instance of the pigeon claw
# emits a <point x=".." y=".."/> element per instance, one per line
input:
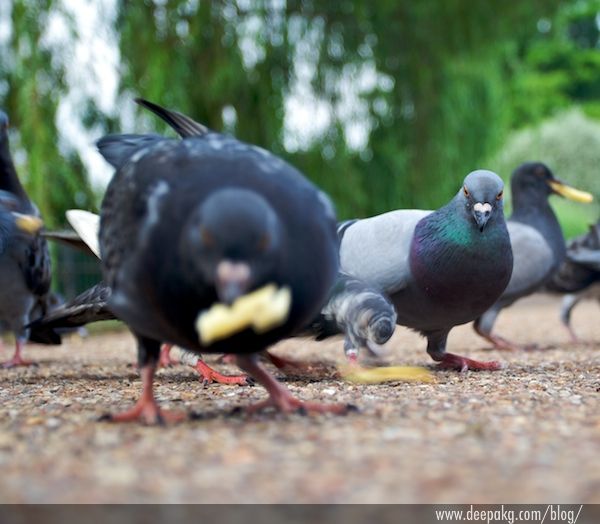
<point x="290" y="404"/>
<point x="146" y="412"/>
<point x="502" y="344"/>
<point x="17" y="361"/>
<point x="284" y="364"/>
<point x="463" y="364"/>
<point x="210" y="375"/>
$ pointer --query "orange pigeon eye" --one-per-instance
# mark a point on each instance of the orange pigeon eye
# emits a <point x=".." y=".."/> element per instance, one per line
<point x="207" y="239"/>
<point x="466" y="191"/>
<point x="500" y="195"/>
<point x="264" y="243"/>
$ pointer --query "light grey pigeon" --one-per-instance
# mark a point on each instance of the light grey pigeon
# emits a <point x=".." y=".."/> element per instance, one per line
<point x="440" y="269"/>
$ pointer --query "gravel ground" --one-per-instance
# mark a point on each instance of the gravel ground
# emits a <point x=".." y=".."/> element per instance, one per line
<point x="530" y="433"/>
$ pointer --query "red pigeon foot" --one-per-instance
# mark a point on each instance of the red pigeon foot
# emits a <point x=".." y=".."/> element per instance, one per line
<point x="165" y="360"/>
<point x="463" y="364"/>
<point x="209" y="375"/>
<point x="17" y="360"/>
<point x="147" y="412"/>
<point x="146" y="408"/>
<point x="503" y="344"/>
<point x="284" y="363"/>
<point x="280" y="397"/>
<point x="287" y="403"/>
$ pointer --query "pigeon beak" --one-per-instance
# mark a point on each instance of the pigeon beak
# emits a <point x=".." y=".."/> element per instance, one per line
<point x="28" y="223"/>
<point x="562" y="189"/>
<point x="482" y="213"/>
<point x="232" y="281"/>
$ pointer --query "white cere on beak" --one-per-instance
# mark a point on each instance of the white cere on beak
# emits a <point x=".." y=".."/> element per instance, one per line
<point x="482" y="207"/>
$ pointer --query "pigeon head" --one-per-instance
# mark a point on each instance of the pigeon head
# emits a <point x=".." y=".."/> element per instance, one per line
<point x="233" y="239"/>
<point x="381" y="329"/>
<point x="533" y="182"/>
<point x="373" y="324"/>
<point x="482" y="197"/>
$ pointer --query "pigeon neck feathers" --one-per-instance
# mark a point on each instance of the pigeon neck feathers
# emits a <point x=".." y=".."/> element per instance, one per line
<point x="451" y="251"/>
<point x="450" y="228"/>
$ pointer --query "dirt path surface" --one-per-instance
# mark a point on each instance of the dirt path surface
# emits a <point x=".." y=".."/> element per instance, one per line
<point x="530" y="433"/>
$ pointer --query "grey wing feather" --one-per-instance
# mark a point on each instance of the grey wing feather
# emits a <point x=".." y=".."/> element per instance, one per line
<point x="377" y="249"/>
<point x="118" y="149"/>
<point x="89" y="306"/>
<point x="533" y="261"/>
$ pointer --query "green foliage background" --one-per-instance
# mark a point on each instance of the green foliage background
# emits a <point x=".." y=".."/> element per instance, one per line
<point x="455" y="84"/>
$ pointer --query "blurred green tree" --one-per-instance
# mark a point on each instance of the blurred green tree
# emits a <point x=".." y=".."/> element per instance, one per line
<point x="558" y="65"/>
<point x="423" y="83"/>
<point x="32" y="82"/>
<point x="404" y="98"/>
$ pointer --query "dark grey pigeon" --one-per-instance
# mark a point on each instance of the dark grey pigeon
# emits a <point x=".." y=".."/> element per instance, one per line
<point x="361" y="312"/>
<point x="92" y="305"/>
<point x="440" y="269"/>
<point x="579" y="276"/>
<point x="537" y="241"/>
<point x="24" y="257"/>
<point x="188" y="223"/>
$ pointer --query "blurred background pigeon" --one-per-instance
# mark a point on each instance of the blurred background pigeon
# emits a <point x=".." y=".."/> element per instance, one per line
<point x="579" y="276"/>
<point x="441" y="268"/>
<point x="24" y="260"/>
<point x="186" y="224"/>
<point x="536" y="238"/>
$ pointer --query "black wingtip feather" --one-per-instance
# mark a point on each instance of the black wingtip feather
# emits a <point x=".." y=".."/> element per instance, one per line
<point x="182" y="124"/>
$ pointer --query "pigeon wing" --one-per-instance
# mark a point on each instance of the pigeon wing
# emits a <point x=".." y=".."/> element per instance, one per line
<point x="533" y="260"/>
<point x="377" y="249"/>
